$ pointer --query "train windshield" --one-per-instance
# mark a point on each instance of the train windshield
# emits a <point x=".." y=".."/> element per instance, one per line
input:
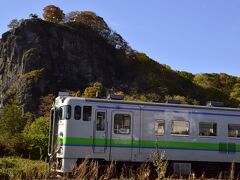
<point x="64" y="112"/>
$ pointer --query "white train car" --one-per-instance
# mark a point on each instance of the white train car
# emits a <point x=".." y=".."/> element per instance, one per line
<point x="131" y="131"/>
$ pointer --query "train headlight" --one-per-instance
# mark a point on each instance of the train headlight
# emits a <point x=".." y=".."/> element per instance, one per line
<point x="60" y="139"/>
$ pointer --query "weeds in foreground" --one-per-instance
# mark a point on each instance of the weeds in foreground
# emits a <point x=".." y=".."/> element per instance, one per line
<point x="144" y="171"/>
<point x="18" y="168"/>
<point x="81" y="172"/>
<point x="160" y="164"/>
<point x="109" y="171"/>
<point x="232" y="168"/>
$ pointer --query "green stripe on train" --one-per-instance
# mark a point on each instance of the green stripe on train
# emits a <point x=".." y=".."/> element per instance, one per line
<point x="150" y="143"/>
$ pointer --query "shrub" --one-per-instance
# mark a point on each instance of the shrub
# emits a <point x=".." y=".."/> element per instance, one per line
<point x="12" y="120"/>
<point x="45" y="105"/>
<point x="53" y="14"/>
<point x="91" y="91"/>
<point x="36" y="136"/>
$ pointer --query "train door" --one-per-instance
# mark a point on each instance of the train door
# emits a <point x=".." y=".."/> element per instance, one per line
<point x="52" y="131"/>
<point x="121" y="136"/>
<point x="100" y="129"/>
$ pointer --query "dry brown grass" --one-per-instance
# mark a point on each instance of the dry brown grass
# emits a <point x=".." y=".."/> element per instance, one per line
<point x="92" y="169"/>
<point x="89" y="169"/>
<point x="232" y="171"/>
<point x="160" y="164"/>
<point x="144" y="171"/>
<point x="109" y="171"/>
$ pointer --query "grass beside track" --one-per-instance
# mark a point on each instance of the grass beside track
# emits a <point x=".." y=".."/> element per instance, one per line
<point x="19" y="168"/>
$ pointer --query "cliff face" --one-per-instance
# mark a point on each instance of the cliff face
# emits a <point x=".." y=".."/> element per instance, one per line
<point x="40" y="57"/>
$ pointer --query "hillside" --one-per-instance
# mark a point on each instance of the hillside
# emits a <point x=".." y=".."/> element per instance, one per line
<point x="40" y="58"/>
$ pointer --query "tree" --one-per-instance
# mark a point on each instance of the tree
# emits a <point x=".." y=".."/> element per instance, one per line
<point x="33" y="16"/>
<point x="15" y="23"/>
<point x="186" y="75"/>
<point x="91" y="20"/>
<point x="75" y="93"/>
<point x="236" y="91"/>
<point x="206" y="80"/>
<point x="98" y="24"/>
<point x="12" y="120"/>
<point x="91" y="91"/>
<point x="46" y="105"/>
<point x="12" y="124"/>
<point x="36" y="136"/>
<point x="117" y="41"/>
<point x="53" y="14"/>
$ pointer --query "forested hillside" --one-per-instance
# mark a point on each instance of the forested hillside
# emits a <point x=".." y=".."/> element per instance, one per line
<point x="80" y="53"/>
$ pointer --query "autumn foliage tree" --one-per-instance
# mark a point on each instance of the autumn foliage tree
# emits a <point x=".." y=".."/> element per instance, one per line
<point x="91" y="20"/>
<point x="53" y="14"/>
<point x="236" y="91"/>
<point x="97" y="23"/>
<point x="90" y="92"/>
<point x="45" y="105"/>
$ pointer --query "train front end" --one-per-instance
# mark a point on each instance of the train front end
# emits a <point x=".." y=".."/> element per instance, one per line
<point x="60" y="113"/>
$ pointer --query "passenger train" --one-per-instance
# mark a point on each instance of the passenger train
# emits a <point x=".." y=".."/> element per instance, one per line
<point x="110" y="129"/>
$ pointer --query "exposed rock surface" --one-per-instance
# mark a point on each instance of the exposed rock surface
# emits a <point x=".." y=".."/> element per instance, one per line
<point x="41" y="57"/>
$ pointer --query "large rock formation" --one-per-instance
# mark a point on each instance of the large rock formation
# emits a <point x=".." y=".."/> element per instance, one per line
<point x="41" y="57"/>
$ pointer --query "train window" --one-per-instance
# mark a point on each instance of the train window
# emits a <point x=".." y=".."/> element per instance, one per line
<point x="77" y="112"/>
<point x="87" y="113"/>
<point x="180" y="127"/>
<point x="67" y="112"/>
<point x="159" y="127"/>
<point x="207" y="129"/>
<point x="234" y="130"/>
<point x="122" y="123"/>
<point x="64" y="112"/>
<point x="60" y="113"/>
<point x="100" y="121"/>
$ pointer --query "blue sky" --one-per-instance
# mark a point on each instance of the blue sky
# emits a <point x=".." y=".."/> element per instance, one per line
<point x="197" y="36"/>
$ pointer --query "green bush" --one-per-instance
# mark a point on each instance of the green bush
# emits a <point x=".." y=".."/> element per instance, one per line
<point x="36" y="137"/>
<point x="18" y="168"/>
<point x="12" y="120"/>
<point x="13" y="145"/>
<point x="12" y="123"/>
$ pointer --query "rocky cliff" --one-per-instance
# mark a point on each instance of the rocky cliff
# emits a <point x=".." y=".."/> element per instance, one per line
<point x="39" y="57"/>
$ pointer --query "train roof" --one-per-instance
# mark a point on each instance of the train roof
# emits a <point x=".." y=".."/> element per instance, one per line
<point x="140" y="103"/>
